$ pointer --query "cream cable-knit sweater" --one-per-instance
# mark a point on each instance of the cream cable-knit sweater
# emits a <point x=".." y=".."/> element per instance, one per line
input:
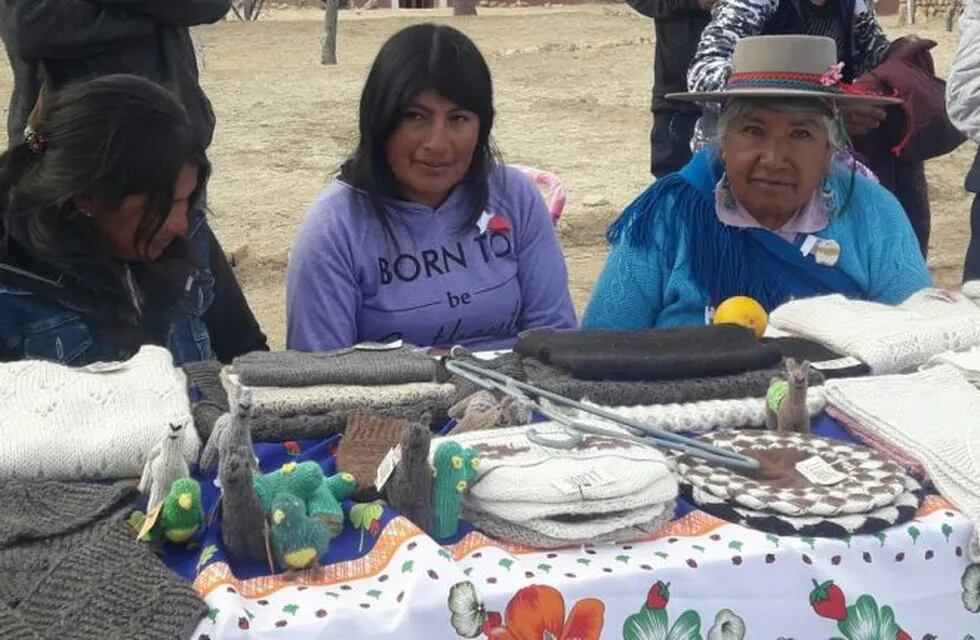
<point x="887" y="339"/>
<point x="934" y="415"/>
<point x="93" y="423"/>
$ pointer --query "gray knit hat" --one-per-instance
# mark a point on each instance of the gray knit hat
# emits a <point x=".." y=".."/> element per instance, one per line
<point x="70" y="569"/>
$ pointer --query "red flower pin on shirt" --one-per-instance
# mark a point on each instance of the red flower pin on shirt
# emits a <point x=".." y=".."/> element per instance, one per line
<point x="498" y="224"/>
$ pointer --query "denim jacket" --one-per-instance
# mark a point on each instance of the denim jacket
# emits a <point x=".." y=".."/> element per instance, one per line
<point x="38" y="327"/>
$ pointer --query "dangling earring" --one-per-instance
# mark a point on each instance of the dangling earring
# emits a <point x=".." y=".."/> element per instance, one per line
<point x="828" y="196"/>
<point x="727" y="191"/>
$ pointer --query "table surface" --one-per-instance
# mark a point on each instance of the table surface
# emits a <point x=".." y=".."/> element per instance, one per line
<point x="725" y="581"/>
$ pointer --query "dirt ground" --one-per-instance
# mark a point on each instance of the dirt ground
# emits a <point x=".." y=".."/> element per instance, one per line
<point x="572" y="93"/>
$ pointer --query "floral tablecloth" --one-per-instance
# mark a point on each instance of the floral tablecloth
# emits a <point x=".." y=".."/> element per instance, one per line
<point x="700" y="578"/>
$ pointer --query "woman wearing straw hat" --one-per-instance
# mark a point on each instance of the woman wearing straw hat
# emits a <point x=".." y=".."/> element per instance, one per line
<point x="767" y="212"/>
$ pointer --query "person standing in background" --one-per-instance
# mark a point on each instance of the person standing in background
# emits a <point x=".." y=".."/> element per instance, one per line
<point x="963" y="106"/>
<point x="678" y="25"/>
<point x="58" y="42"/>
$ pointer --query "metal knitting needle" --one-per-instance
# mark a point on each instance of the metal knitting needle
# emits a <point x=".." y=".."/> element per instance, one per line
<point x="637" y="431"/>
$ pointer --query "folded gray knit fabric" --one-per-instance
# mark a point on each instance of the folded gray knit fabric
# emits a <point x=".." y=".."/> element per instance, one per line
<point x="507" y="531"/>
<point x="208" y="397"/>
<point x="357" y="365"/>
<point x="289" y="413"/>
<point x="509" y="364"/>
<point x="70" y="569"/>
<point x="752" y="384"/>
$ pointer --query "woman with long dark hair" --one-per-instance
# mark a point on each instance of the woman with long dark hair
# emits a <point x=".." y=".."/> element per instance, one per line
<point x="103" y="245"/>
<point x="426" y="236"/>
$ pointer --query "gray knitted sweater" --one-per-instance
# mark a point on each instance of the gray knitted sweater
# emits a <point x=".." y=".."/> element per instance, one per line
<point x="69" y="569"/>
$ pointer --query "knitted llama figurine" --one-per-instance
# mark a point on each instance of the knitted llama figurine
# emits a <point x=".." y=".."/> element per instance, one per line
<point x="234" y="428"/>
<point x="164" y="464"/>
<point x="786" y="409"/>
<point x="410" y="488"/>
<point x="243" y="523"/>
<point x="455" y="470"/>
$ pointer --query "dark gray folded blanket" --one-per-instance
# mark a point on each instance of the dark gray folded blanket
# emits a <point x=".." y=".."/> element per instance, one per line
<point x="617" y="393"/>
<point x="661" y="354"/>
<point x="357" y="365"/>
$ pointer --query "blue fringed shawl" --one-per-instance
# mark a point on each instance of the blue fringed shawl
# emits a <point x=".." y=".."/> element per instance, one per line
<point x="727" y="261"/>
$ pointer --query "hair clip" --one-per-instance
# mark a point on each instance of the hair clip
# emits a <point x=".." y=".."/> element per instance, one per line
<point x="34" y="140"/>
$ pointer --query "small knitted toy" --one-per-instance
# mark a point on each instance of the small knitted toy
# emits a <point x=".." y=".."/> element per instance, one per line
<point x="231" y="431"/>
<point x="786" y="408"/>
<point x="321" y="496"/>
<point x="243" y="523"/>
<point x="482" y="411"/>
<point x="455" y="471"/>
<point x="326" y="499"/>
<point x="298" y="540"/>
<point x="181" y="515"/>
<point x="409" y="489"/>
<point x="164" y="464"/>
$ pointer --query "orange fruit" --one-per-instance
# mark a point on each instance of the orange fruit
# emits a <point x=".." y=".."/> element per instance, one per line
<point x="744" y="311"/>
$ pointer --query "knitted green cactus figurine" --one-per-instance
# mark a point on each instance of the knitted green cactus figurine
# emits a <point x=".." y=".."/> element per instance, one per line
<point x="455" y="470"/>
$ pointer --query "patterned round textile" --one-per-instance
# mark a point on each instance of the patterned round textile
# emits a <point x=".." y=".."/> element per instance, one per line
<point x="901" y="511"/>
<point x="779" y="488"/>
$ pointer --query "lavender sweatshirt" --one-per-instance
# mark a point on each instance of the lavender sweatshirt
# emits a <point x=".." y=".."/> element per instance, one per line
<point x="348" y="283"/>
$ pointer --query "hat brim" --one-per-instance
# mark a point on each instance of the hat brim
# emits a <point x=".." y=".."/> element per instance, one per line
<point x="839" y="98"/>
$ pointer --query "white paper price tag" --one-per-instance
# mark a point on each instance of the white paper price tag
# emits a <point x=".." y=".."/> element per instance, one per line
<point x="387" y="466"/>
<point x="819" y="471"/>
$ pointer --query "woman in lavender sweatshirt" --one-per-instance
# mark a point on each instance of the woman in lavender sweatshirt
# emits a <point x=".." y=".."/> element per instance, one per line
<point x="425" y="235"/>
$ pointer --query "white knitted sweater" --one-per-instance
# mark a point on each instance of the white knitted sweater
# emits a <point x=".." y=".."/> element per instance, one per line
<point x="93" y="423"/>
<point x="934" y="415"/>
<point x="887" y="339"/>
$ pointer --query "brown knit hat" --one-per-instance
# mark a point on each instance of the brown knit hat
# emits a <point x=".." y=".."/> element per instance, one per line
<point x="365" y="442"/>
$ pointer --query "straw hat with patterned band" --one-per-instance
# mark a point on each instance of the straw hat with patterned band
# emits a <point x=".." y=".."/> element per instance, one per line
<point x="787" y="67"/>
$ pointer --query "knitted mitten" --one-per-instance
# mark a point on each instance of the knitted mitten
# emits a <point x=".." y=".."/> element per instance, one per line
<point x="164" y="464"/>
<point x="455" y="470"/>
<point x="409" y="489"/>
<point x="366" y="441"/>
<point x="242" y="516"/>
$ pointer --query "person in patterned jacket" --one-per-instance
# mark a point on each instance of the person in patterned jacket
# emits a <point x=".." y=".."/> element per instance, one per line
<point x="963" y="106"/>
<point x="861" y="46"/>
<point x="678" y="25"/>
